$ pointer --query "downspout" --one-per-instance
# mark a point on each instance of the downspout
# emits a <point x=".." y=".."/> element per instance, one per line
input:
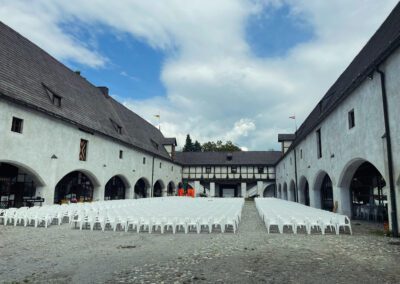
<point x="152" y="179"/>
<point x="295" y="176"/>
<point x="393" y="211"/>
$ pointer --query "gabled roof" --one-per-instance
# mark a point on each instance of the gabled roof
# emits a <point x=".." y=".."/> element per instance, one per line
<point x="27" y="73"/>
<point x="170" y="141"/>
<point x="286" y="137"/>
<point x="383" y="43"/>
<point x="224" y="158"/>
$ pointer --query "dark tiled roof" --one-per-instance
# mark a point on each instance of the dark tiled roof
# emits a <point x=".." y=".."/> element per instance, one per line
<point x="286" y="137"/>
<point x="221" y="158"/>
<point x="170" y="141"/>
<point x="384" y="42"/>
<point x="25" y="73"/>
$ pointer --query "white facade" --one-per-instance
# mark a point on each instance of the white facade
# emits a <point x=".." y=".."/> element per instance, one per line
<point x="344" y="149"/>
<point x="44" y="137"/>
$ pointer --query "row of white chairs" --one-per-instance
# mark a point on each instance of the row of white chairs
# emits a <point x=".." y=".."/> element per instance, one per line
<point x="173" y="214"/>
<point x="280" y="214"/>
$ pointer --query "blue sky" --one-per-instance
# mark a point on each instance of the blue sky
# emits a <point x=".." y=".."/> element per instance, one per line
<point x="219" y="70"/>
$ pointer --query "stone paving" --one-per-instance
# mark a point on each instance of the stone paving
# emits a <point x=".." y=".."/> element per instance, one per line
<point x="63" y="255"/>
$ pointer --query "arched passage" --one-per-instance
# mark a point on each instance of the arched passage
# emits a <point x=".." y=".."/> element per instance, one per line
<point x="269" y="191"/>
<point x="369" y="195"/>
<point x="18" y="184"/>
<point x="158" y="188"/>
<point x="323" y="192"/>
<point x="292" y="191"/>
<point x="74" y="187"/>
<point x="171" y="188"/>
<point x="279" y="192"/>
<point x="115" y="189"/>
<point x="141" y="188"/>
<point x="304" y="191"/>
<point x="285" y="192"/>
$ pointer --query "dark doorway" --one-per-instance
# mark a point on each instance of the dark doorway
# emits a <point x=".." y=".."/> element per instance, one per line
<point x="306" y="194"/>
<point x="327" y="194"/>
<point x="16" y="186"/>
<point x="157" y="189"/>
<point x="115" y="189"/>
<point x="74" y="187"/>
<point x="269" y="191"/>
<point x="141" y="188"/>
<point x="369" y="198"/>
<point x="170" y="189"/>
<point x="228" y="190"/>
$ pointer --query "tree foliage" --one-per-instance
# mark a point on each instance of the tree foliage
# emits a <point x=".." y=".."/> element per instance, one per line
<point x="188" y="144"/>
<point x="220" y="147"/>
<point x="209" y="146"/>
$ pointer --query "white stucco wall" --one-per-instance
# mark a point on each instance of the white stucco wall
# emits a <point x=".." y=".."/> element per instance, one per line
<point x="344" y="149"/>
<point x="44" y="136"/>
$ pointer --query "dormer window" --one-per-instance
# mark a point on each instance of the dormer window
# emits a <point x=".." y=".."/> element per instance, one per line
<point x="54" y="98"/>
<point x="154" y="143"/>
<point x="229" y="156"/>
<point x="57" y="100"/>
<point x="116" y="126"/>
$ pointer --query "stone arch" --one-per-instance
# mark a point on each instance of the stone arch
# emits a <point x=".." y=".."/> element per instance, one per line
<point x="171" y="188"/>
<point x="141" y="188"/>
<point x="76" y="186"/>
<point x="363" y="193"/>
<point x="18" y="184"/>
<point x="269" y="190"/>
<point x="158" y="188"/>
<point x="304" y="191"/>
<point x="323" y="191"/>
<point x="279" y="192"/>
<point x="285" y="191"/>
<point x="292" y="191"/>
<point x="116" y="188"/>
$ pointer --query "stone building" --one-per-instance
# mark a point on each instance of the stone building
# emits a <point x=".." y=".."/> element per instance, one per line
<point x="346" y="154"/>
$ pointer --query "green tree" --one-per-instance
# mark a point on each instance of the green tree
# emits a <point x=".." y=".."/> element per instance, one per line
<point x="188" y="144"/>
<point x="196" y="146"/>
<point x="211" y="146"/>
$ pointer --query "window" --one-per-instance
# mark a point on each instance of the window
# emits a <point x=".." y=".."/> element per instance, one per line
<point x="160" y="165"/>
<point x="351" y="118"/>
<point x="172" y="168"/>
<point x="154" y="143"/>
<point x="260" y="170"/>
<point x="208" y="170"/>
<point x="121" y="154"/>
<point x="57" y="100"/>
<point x="319" y="146"/>
<point x="83" y="150"/>
<point x="144" y="160"/>
<point x="116" y="126"/>
<point x="233" y="169"/>
<point x="290" y="160"/>
<point x="17" y="124"/>
<point x="301" y="153"/>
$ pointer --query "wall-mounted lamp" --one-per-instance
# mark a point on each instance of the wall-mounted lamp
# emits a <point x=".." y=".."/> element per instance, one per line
<point x="54" y="157"/>
<point x="332" y="156"/>
<point x="309" y="166"/>
<point x="104" y="166"/>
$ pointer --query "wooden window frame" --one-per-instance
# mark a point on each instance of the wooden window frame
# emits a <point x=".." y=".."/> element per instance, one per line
<point x="83" y="150"/>
<point x="319" y="143"/>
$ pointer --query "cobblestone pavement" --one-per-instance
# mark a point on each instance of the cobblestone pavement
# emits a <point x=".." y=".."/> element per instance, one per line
<point x="63" y="255"/>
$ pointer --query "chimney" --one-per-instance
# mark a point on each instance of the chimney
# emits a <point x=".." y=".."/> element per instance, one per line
<point x="104" y="91"/>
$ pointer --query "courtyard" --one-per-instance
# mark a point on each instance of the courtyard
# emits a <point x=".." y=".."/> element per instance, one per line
<point x="64" y="255"/>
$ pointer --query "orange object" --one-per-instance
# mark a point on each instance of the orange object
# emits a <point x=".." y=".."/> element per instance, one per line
<point x="190" y="192"/>
<point x="181" y="192"/>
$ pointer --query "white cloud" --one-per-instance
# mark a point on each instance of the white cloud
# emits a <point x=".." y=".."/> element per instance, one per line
<point x="216" y="88"/>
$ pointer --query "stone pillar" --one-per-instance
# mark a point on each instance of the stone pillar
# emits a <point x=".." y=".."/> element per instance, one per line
<point x="260" y="188"/>
<point x="243" y="187"/>
<point x="197" y="188"/>
<point x="212" y="189"/>
<point x="341" y="196"/>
